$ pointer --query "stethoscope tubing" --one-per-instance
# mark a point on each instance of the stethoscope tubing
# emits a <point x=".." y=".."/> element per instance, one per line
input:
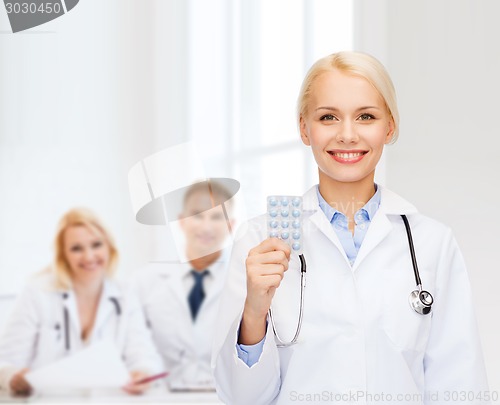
<point x="66" y="330"/>
<point x="281" y="343"/>
<point x="418" y="281"/>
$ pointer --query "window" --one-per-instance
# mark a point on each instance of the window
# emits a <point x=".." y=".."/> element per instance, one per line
<point x="248" y="59"/>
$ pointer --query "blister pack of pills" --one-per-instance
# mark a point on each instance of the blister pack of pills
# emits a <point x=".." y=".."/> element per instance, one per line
<point x="284" y="220"/>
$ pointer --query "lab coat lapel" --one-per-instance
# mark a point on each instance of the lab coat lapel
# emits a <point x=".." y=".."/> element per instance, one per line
<point x="173" y="277"/>
<point x="381" y="226"/>
<point x="106" y="307"/>
<point x="218" y="275"/>
<point x="317" y="217"/>
<point x="69" y="303"/>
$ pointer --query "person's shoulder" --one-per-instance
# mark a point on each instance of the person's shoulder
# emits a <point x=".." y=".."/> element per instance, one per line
<point x="43" y="281"/>
<point x="430" y="223"/>
<point x="395" y="206"/>
<point x="251" y="226"/>
<point x="248" y="235"/>
<point x="39" y="288"/>
<point x="252" y="221"/>
<point x="124" y="292"/>
<point x="151" y="274"/>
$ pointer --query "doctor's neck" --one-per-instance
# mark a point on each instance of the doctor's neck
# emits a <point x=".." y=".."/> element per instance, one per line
<point x="88" y="289"/>
<point x="346" y="197"/>
<point x="202" y="263"/>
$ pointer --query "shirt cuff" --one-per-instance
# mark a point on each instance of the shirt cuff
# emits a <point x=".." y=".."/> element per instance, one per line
<point x="250" y="354"/>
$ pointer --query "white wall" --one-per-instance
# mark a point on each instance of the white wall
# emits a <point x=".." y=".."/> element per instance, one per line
<point x="444" y="59"/>
<point x="83" y="98"/>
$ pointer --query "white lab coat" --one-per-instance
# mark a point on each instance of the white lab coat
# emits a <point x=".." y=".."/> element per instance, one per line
<point x="35" y="333"/>
<point x="359" y="334"/>
<point x="185" y="346"/>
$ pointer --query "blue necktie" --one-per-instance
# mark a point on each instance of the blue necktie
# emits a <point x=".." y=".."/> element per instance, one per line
<point x="196" y="294"/>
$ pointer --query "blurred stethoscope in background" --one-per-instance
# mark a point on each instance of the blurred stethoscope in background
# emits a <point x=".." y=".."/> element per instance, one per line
<point x="67" y="339"/>
<point x="420" y="300"/>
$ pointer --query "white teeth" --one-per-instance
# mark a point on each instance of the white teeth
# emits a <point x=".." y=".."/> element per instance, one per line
<point x="348" y="155"/>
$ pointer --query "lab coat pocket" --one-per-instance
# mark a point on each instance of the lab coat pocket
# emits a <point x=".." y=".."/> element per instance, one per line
<point x="50" y="344"/>
<point x="162" y="324"/>
<point x="51" y="335"/>
<point x="406" y="329"/>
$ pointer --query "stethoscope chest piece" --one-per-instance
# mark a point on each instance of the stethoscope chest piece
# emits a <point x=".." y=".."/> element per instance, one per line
<point x="421" y="301"/>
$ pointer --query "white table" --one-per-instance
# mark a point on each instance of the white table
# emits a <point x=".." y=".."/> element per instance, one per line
<point x="114" y="397"/>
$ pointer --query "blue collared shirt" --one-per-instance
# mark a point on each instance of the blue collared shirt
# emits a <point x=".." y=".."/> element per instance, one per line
<point x="351" y="244"/>
<point x="362" y="219"/>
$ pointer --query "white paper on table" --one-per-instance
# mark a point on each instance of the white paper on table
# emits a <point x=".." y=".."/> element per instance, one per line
<point x="97" y="366"/>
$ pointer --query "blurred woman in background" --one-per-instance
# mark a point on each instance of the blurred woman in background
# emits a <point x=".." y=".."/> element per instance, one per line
<point x="73" y="304"/>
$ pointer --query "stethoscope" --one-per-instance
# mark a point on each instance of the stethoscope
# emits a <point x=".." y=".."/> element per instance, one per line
<point x="67" y="339"/>
<point x="420" y="300"/>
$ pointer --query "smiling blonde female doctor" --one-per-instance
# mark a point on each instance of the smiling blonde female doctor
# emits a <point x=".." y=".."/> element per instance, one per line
<point x="74" y="304"/>
<point x="361" y="341"/>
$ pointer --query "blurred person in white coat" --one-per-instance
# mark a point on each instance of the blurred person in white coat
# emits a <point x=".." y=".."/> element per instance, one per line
<point x="73" y="304"/>
<point x="181" y="299"/>
<point x="361" y="341"/>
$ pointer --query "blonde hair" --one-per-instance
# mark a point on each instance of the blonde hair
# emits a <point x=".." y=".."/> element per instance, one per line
<point x="355" y="63"/>
<point x="86" y="218"/>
